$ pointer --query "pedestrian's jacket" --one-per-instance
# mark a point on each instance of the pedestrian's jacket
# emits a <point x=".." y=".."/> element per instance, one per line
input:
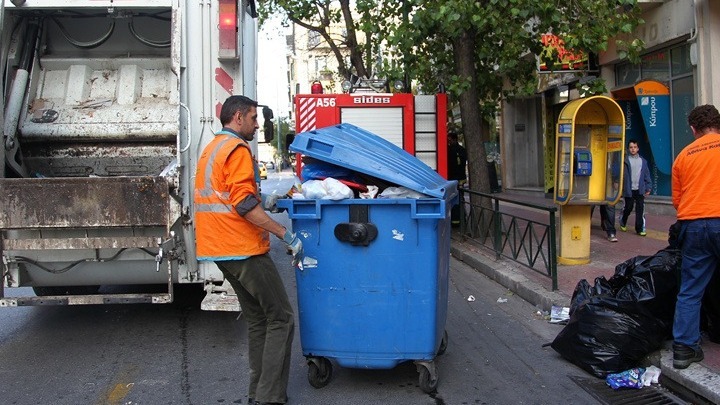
<point x="226" y="175"/>
<point x="457" y="158"/>
<point x="645" y="182"/>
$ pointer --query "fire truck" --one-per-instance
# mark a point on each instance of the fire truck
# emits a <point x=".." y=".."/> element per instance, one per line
<point x="107" y="105"/>
<point x="415" y="123"/>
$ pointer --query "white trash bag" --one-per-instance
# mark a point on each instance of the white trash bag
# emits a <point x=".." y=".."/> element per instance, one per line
<point x="328" y="189"/>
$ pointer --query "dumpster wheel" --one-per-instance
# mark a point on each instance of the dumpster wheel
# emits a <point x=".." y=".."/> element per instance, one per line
<point x="319" y="371"/>
<point x="428" y="378"/>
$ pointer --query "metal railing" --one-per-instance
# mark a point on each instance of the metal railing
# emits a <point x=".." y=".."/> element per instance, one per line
<point x="521" y="231"/>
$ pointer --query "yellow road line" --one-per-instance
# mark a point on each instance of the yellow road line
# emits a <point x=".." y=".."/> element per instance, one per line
<point x="120" y="387"/>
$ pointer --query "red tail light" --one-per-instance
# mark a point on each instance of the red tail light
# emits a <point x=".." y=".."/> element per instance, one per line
<point x="228" y="29"/>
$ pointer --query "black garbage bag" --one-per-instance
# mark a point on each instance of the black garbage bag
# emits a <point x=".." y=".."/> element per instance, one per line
<point x="652" y="281"/>
<point x="617" y="322"/>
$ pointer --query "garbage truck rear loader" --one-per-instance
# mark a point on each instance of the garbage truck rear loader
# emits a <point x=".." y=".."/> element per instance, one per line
<point x="107" y="104"/>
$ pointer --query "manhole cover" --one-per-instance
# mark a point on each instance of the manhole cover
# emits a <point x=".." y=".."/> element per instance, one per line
<point x="653" y="395"/>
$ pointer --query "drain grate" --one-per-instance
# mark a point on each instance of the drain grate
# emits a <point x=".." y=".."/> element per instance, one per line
<point x="653" y="395"/>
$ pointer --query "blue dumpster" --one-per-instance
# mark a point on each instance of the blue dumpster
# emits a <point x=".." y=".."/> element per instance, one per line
<point x="373" y="288"/>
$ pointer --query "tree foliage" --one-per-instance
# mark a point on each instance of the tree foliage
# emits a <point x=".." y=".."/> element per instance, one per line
<point x="320" y="15"/>
<point x="479" y="51"/>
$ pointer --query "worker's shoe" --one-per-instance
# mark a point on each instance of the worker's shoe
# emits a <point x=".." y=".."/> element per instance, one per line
<point x="642" y="233"/>
<point x="612" y="237"/>
<point x="623" y="227"/>
<point x="683" y="355"/>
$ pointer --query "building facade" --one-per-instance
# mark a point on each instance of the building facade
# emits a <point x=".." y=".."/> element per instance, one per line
<point x="682" y="48"/>
<point x="310" y="59"/>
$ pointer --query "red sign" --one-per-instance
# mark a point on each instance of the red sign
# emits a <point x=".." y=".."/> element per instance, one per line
<point x="567" y="59"/>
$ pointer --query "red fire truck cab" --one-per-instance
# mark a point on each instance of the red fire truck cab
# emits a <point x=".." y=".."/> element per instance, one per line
<point x="415" y="123"/>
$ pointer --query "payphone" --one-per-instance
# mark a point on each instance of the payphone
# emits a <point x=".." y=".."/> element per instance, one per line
<point x="583" y="162"/>
<point x="589" y="146"/>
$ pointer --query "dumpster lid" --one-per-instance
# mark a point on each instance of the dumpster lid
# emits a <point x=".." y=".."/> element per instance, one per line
<point x="354" y="148"/>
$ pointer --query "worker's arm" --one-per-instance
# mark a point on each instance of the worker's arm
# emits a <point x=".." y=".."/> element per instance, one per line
<point x="258" y="217"/>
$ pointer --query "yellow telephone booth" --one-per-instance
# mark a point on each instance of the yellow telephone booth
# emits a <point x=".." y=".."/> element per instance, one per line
<point x="589" y="142"/>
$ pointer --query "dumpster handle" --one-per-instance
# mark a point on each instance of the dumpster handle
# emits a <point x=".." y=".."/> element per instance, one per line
<point x="356" y="233"/>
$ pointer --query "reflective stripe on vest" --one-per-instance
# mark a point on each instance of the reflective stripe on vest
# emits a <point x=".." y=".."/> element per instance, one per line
<point x="207" y="190"/>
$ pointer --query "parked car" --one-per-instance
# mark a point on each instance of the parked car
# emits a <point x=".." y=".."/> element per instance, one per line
<point x="270" y="165"/>
<point x="263" y="170"/>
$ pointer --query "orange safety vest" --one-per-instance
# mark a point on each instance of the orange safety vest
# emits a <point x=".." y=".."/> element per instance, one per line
<point x="220" y="232"/>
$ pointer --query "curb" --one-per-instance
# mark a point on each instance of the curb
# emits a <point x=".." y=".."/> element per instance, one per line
<point x="697" y="379"/>
<point x="509" y="278"/>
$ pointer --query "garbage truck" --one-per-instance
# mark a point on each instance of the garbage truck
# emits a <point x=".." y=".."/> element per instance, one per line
<point x="106" y="107"/>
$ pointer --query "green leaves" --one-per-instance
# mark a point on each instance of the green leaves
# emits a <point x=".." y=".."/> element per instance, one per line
<point x="416" y="36"/>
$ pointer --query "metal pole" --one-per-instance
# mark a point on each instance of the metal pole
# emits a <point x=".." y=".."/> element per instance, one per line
<point x="461" y="208"/>
<point x="552" y="254"/>
<point x="498" y="229"/>
<point x="2" y="93"/>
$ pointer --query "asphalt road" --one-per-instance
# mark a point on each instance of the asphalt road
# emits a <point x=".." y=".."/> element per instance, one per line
<point x="177" y="354"/>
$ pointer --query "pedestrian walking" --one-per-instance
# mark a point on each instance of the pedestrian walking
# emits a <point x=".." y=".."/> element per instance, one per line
<point x="637" y="184"/>
<point x="695" y="195"/>
<point x="607" y="211"/>
<point x="607" y="221"/>
<point x="232" y="229"/>
<point x="457" y="159"/>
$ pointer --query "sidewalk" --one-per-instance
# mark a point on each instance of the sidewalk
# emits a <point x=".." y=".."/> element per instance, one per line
<point x="702" y="379"/>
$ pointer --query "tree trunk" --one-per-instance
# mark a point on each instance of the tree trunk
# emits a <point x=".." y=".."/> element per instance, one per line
<point x="481" y="217"/>
<point x="472" y="123"/>
<point x="356" y="52"/>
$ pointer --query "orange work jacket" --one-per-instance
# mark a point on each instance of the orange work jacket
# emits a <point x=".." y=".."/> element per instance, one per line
<point x="223" y="179"/>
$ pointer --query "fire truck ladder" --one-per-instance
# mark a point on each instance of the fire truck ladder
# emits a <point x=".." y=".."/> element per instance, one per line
<point x="426" y="130"/>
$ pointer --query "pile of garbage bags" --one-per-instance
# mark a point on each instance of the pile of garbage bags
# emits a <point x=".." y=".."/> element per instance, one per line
<point x="615" y="323"/>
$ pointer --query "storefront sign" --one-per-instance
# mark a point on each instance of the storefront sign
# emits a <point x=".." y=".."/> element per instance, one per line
<point x="564" y="59"/>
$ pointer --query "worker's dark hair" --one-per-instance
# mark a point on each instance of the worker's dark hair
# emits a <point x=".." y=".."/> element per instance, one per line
<point x="704" y="117"/>
<point x="452" y="135"/>
<point x="234" y="104"/>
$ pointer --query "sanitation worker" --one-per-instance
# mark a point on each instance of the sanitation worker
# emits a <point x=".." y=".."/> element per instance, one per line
<point x="233" y="230"/>
<point x="695" y="194"/>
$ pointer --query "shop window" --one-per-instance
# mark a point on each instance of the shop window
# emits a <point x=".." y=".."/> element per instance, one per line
<point x="683" y="100"/>
<point x="627" y="74"/>
<point x="655" y="66"/>
<point x="680" y="60"/>
<point x="672" y="67"/>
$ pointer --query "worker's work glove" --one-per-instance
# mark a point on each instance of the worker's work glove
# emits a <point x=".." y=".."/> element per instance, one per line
<point x="294" y="246"/>
<point x="269" y="202"/>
